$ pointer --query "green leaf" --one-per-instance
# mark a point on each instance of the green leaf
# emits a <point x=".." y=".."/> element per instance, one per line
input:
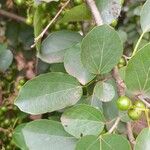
<point x="78" y="13"/>
<point x="101" y="49"/>
<point x="145" y="14"/>
<point x="137" y="76"/>
<point x="82" y="120"/>
<point x="143" y="140"/>
<point x="18" y="138"/>
<point x="109" y="9"/>
<point x="105" y="92"/>
<point x="6" y="58"/>
<point x="110" y="108"/>
<point x="54" y="46"/>
<point x="45" y="134"/>
<point x="74" y="66"/>
<point x="104" y="142"/>
<point x="38" y="25"/>
<point x="49" y="92"/>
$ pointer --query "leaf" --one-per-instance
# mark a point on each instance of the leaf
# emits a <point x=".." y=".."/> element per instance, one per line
<point x="105" y="92"/>
<point x="48" y="92"/>
<point x="77" y="13"/>
<point x="101" y="49"/>
<point x="109" y="9"/>
<point x="54" y="46"/>
<point x="18" y="138"/>
<point x="110" y="108"/>
<point x="45" y="134"/>
<point x="104" y="142"/>
<point x="82" y="120"/>
<point x="6" y="58"/>
<point x="74" y="66"/>
<point x="137" y="76"/>
<point x="145" y="14"/>
<point x="143" y="140"/>
<point x="38" y="25"/>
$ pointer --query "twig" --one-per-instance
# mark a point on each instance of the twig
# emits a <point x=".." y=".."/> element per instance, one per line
<point x="114" y="125"/>
<point x="119" y="82"/>
<point x="96" y="14"/>
<point x="143" y="100"/>
<point x="130" y="133"/>
<point x="12" y="16"/>
<point x="51" y="22"/>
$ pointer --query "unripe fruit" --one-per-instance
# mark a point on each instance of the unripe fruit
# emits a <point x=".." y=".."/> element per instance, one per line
<point x="139" y="105"/>
<point x="29" y="21"/>
<point x="114" y="23"/>
<point x="19" y="87"/>
<point x="4" y="109"/>
<point x="22" y="81"/>
<point x="77" y="2"/>
<point x="19" y="2"/>
<point x="124" y="103"/>
<point x="122" y="61"/>
<point x="134" y="114"/>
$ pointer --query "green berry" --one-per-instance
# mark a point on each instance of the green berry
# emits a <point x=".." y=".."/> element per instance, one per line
<point x="134" y="114"/>
<point x="19" y="2"/>
<point x="4" y="109"/>
<point x="77" y="2"/>
<point x="114" y="23"/>
<point x="123" y="103"/>
<point x="29" y="21"/>
<point x="6" y="122"/>
<point x="22" y="81"/>
<point x="57" y="27"/>
<point x="139" y="105"/>
<point x="19" y="87"/>
<point x="122" y="61"/>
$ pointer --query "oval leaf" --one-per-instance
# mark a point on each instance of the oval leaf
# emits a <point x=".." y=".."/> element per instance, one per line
<point x="137" y="76"/>
<point x="48" y="92"/>
<point x="82" y="120"/>
<point x="43" y="135"/>
<point x="145" y="14"/>
<point x="6" y="58"/>
<point x="109" y="9"/>
<point x="74" y="66"/>
<point x="54" y="46"/>
<point x="143" y="140"/>
<point x="104" y="142"/>
<point x="101" y="49"/>
<point x="105" y="92"/>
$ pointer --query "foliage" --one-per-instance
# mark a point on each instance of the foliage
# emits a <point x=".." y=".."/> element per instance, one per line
<point x="68" y="79"/>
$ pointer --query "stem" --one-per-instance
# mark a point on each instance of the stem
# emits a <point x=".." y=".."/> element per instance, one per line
<point x="51" y="22"/>
<point x="147" y="117"/>
<point x="137" y="44"/>
<point x="114" y="125"/>
<point x="12" y="16"/>
<point x="96" y="14"/>
<point x="130" y="134"/>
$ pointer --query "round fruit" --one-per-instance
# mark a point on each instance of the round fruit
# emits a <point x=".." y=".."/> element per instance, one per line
<point x="4" y="109"/>
<point x="19" y="2"/>
<point x="114" y="23"/>
<point x="19" y="87"/>
<point x="22" y="81"/>
<point x="134" y="114"/>
<point x="123" y="103"/>
<point x="77" y="2"/>
<point x="122" y="61"/>
<point x="139" y="105"/>
<point x="29" y="21"/>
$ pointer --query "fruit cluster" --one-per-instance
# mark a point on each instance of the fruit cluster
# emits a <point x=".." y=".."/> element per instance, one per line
<point x="134" y="110"/>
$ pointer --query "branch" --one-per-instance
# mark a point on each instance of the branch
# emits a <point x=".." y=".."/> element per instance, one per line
<point x="130" y="134"/>
<point x="51" y="22"/>
<point x="96" y="14"/>
<point x="143" y="100"/>
<point x="119" y="82"/>
<point x="12" y="16"/>
<point x="114" y="125"/>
